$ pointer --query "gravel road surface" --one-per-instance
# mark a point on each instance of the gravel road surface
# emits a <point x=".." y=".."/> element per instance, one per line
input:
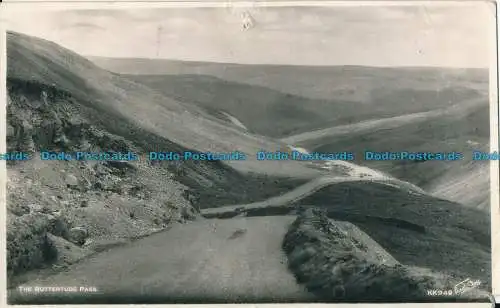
<point x="230" y="260"/>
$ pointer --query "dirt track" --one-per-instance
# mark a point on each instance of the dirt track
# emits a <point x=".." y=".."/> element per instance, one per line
<point x="202" y="260"/>
<point x="370" y="125"/>
<point x="311" y="187"/>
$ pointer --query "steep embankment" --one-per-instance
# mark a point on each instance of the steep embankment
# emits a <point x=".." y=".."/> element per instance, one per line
<point x="441" y="235"/>
<point x="337" y="261"/>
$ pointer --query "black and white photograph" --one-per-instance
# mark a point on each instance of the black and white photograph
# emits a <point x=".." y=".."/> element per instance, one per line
<point x="249" y="154"/>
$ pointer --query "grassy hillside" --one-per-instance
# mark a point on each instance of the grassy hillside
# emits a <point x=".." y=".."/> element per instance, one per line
<point x="276" y="114"/>
<point x="453" y="240"/>
<point x="59" y="101"/>
<point x="267" y="100"/>
<point x="263" y="111"/>
<point x="463" y="131"/>
<point x="183" y="124"/>
<point x="364" y="272"/>
<point x="341" y="83"/>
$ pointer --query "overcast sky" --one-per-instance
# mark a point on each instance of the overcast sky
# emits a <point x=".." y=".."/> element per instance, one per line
<point x="452" y="36"/>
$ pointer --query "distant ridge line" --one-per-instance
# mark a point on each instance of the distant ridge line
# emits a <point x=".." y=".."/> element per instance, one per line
<point x="353" y="66"/>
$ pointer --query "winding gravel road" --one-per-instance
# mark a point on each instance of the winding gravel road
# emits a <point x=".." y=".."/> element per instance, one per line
<point x="214" y="260"/>
<point x="232" y="260"/>
<point x="379" y="124"/>
<point x="311" y="187"/>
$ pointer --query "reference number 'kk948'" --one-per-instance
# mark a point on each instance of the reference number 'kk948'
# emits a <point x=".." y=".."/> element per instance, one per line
<point x="439" y="292"/>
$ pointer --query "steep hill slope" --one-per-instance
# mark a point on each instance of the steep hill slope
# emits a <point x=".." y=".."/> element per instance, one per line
<point x="464" y="130"/>
<point x="44" y="62"/>
<point x="468" y="185"/>
<point x="61" y="211"/>
<point x="272" y="113"/>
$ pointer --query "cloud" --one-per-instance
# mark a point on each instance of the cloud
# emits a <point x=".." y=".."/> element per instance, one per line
<point x="389" y="36"/>
<point x="86" y="25"/>
<point x="97" y="13"/>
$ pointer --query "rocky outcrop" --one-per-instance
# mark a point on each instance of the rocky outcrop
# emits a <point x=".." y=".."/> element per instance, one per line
<point x="61" y="211"/>
<point x="78" y="235"/>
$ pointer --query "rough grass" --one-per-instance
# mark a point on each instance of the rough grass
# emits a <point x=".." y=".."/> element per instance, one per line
<point x="456" y="239"/>
<point x="28" y="243"/>
<point x="335" y="264"/>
